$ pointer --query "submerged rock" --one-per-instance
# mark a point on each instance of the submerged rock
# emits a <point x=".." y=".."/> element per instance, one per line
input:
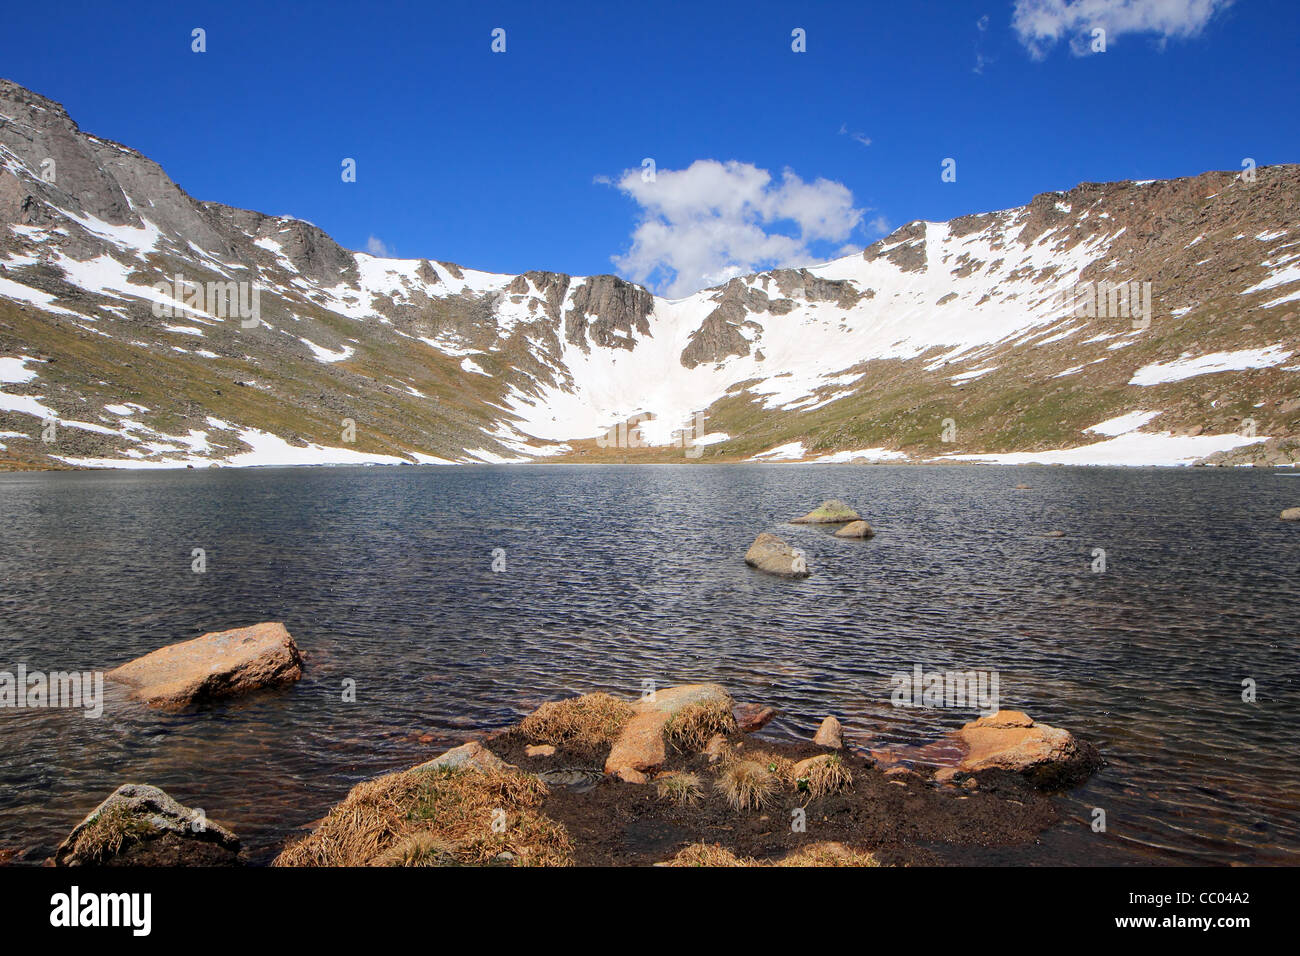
<point x="855" y="529"/>
<point x="641" y="748"/>
<point x="216" y="665"/>
<point x="753" y="717"/>
<point x="771" y="555"/>
<point x="1009" y="740"/>
<point x="140" y="824"/>
<point x="833" y="511"/>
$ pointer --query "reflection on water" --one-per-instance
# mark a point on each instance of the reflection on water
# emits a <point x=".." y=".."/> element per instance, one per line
<point x="616" y="575"/>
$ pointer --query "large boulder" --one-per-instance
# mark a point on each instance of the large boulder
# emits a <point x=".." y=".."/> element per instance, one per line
<point x="1291" y="514"/>
<point x="833" y="511"/>
<point x="217" y="665"/>
<point x="771" y="555"/>
<point x="641" y="748"/>
<point x="855" y="529"/>
<point x="1009" y="740"/>
<point x="141" y="825"/>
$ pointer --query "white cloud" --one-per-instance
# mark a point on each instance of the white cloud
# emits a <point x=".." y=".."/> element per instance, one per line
<point x="1041" y="24"/>
<point x="880" y="226"/>
<point x="376" y="247"/>
<point x="705" y="224"/>
<point x="859" y="137"/>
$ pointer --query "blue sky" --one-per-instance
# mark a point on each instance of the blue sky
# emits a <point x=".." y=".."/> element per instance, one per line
<point x="515" y="161"/>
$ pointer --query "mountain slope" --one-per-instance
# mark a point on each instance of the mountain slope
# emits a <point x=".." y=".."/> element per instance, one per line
<point x="941" y="340"/>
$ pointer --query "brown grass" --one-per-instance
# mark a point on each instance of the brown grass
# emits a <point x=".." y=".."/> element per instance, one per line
<point x="109" y="834"/>
<point x="780" y="767"/>
<point x="746" y="784"/>
<point x="439" y="816"/>
<point x="823" y="775"/>
<point x="585" y="723"/>
<point x="817" y="855"/>
<point x="829" y="854"/>
<point x="679" y="788"/>
<point x="707" y="854"/>
<point x="692" y="726"/>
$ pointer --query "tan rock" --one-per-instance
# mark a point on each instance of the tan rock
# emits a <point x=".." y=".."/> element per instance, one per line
<point x="855" y="529"/>
<point x="832" y="511"/>
<point x="752" y="717"/>
<point x="771" y="555"/>
<point x="830" y="734"/>
<point x="1010" y="740"/>
<point x="216" y="665"/>
<point x="469" y="756"/>
<point x="1291" y="514"/>
<point x="641" y="748"/>
<point x="540" y="750"/>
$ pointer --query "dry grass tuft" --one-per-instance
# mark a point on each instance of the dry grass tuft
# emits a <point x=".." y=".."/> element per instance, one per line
<point x="439" y="816"/>
<point x="585" y="723"/>
<point x="109" y="834"/>
<point x="421" y="848"/>
<point x="822" y="775"/>
<point x="829" y="854"/>
<point x="817" y="855"/>
<point x="680" y="788"/>
<point x="692" y="726"/>
<point x="707" y="854"/>
<point x="746" y="784"/>
<point x="780" y="767"/>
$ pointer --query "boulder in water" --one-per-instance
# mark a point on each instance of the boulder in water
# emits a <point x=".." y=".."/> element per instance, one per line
<point x="216" y="665"/>
<point x="1009" y="740"/>
<point x="833" y="511"/>
<point x="771" y="555"/>
<point x="855" y="529"/>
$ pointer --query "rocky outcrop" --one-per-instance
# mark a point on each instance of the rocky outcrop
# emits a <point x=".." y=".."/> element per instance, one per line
<point x="214" y="666"/>
<point x="1009" y="740"/>
<point x="141" y="825"/>
<point x="641" y="748"/>
<point x="771" y="555"/>
<point x="855" y="529"/>
<point x="833" y="511"/>
<point x="606" y="311"/>
<point x="803" y="284"/>
<point x="720" y="335"/>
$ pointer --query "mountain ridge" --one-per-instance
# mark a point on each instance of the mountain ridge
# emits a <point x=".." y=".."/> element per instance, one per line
<point x="938" y="341"/>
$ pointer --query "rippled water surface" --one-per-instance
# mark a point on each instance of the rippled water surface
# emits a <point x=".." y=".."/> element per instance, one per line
<point x="617" y="575"/>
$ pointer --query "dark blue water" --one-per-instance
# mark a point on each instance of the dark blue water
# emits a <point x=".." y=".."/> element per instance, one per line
<point x="622" y="574"/>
